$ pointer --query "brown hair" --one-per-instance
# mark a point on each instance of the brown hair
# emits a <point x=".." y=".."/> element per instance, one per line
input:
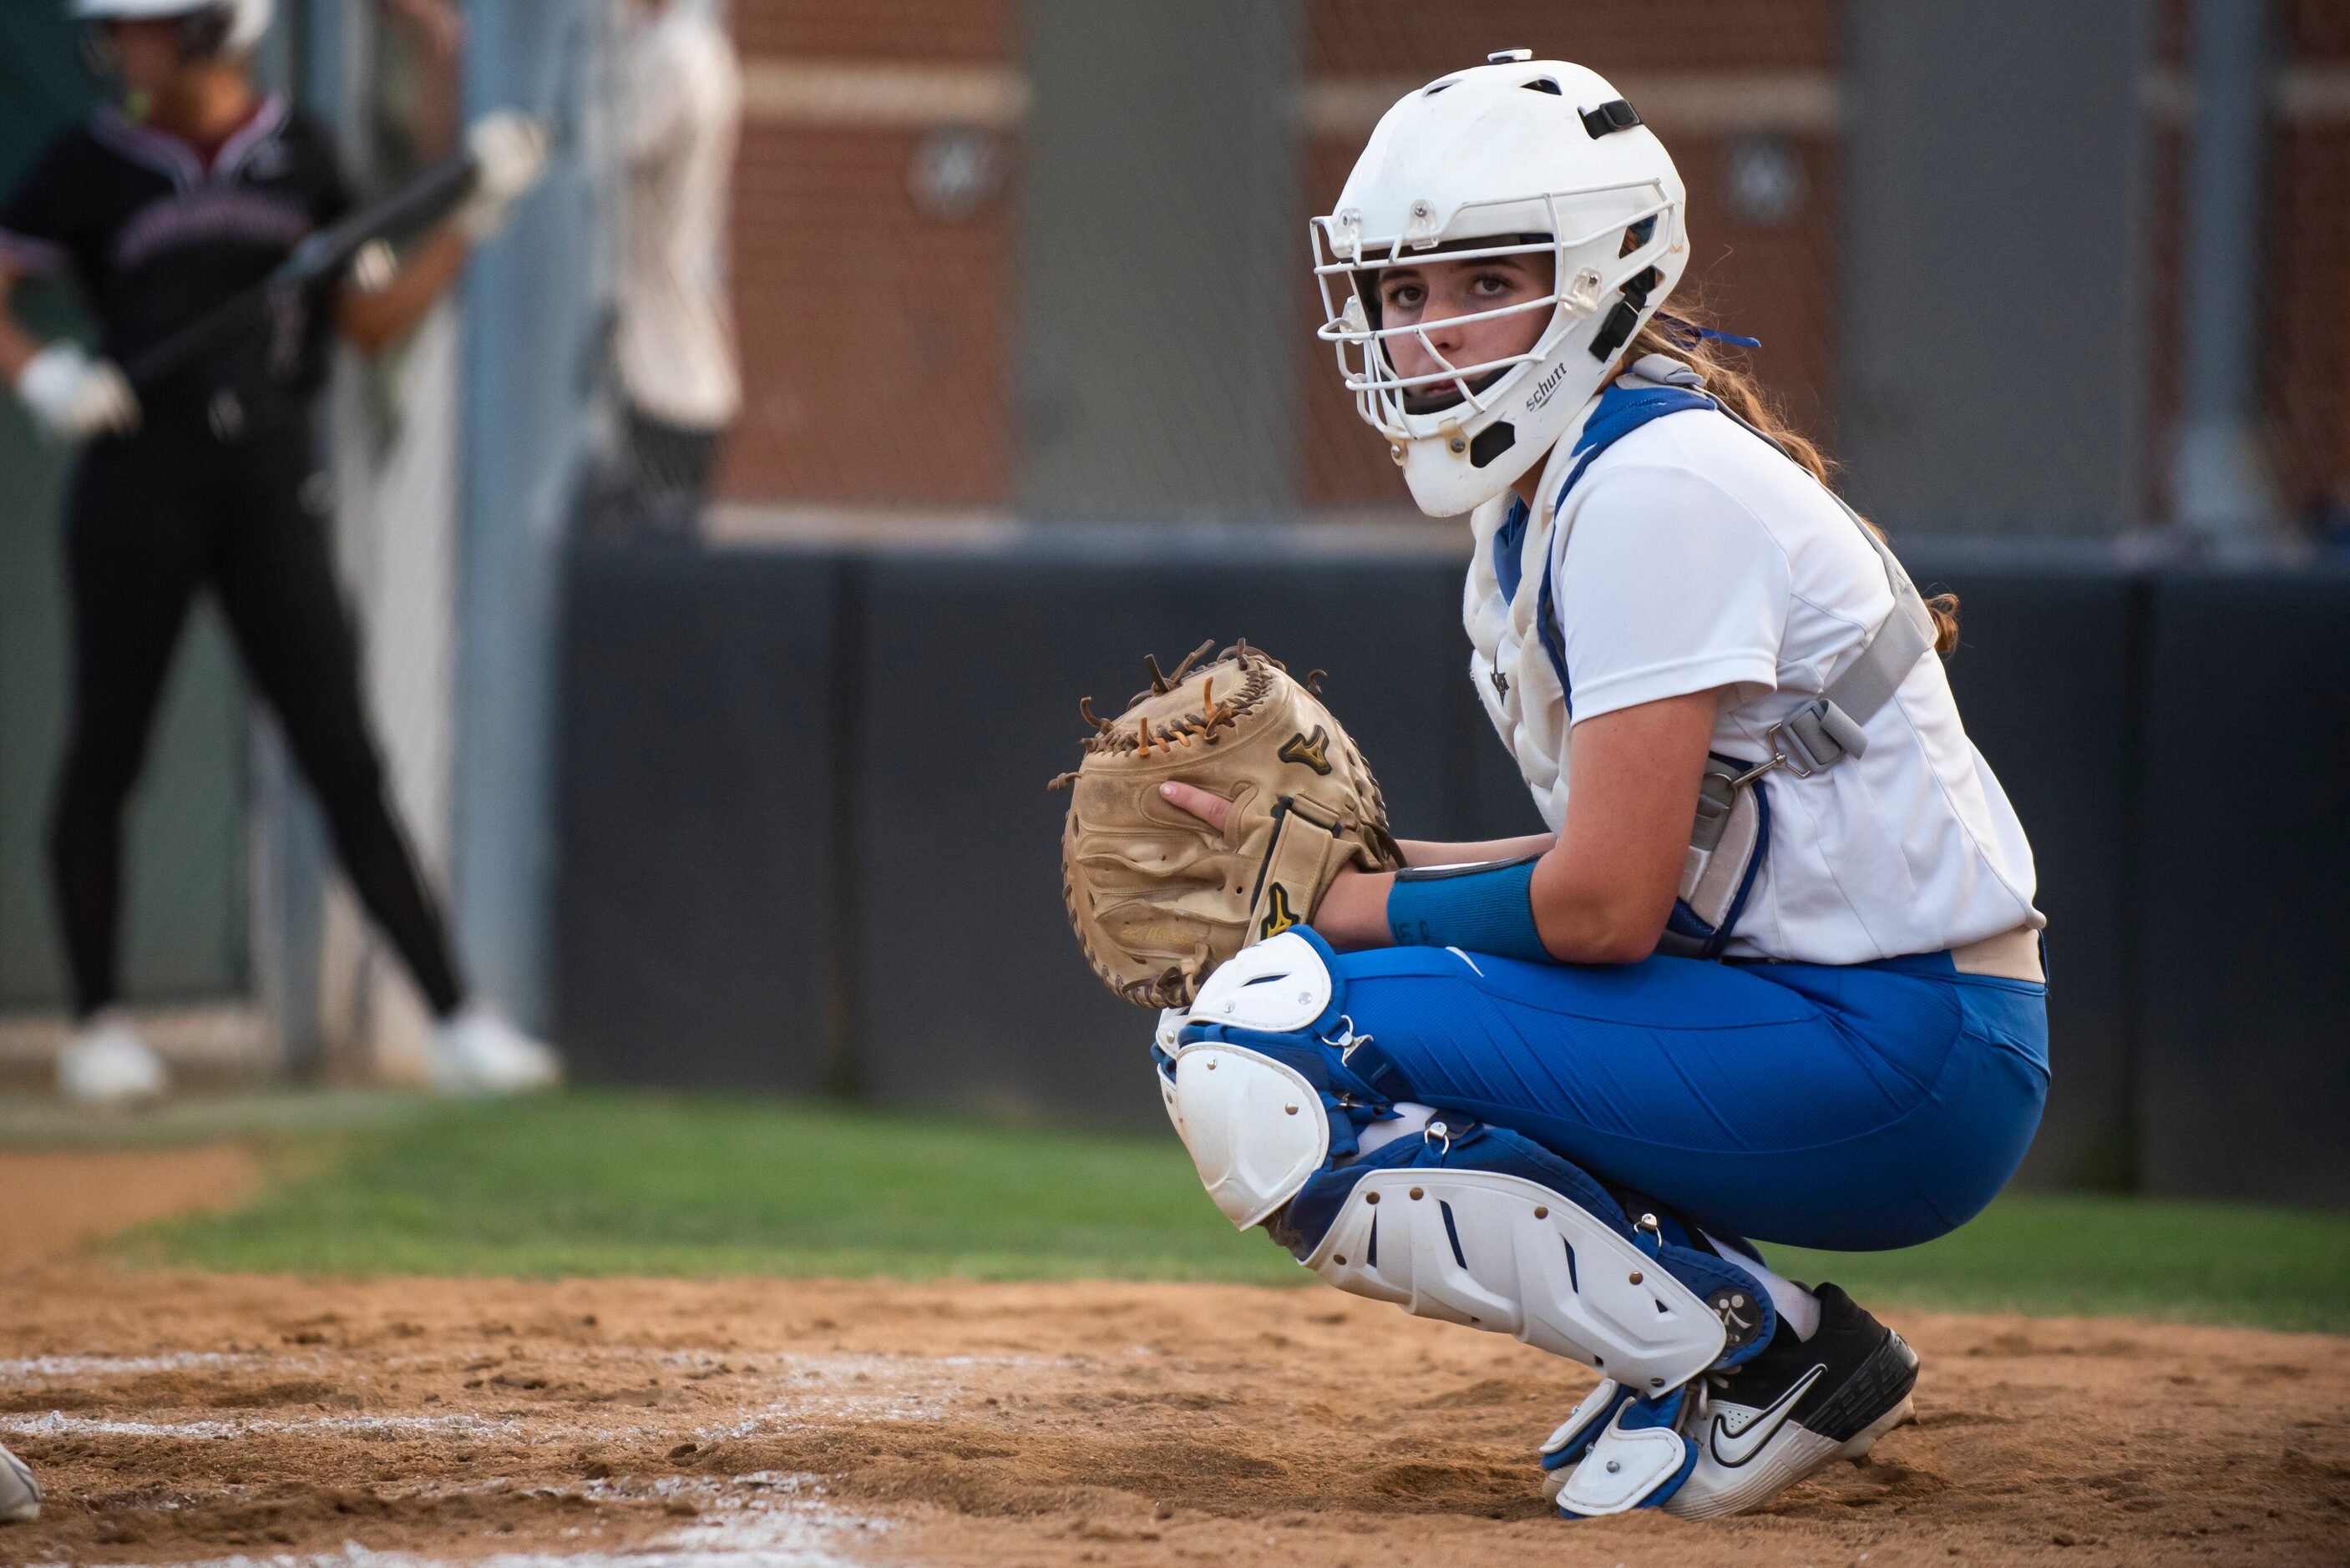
<point x="1668" y="333"/>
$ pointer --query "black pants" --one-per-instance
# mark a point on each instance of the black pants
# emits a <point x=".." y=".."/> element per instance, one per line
<point x="655" y="486"/>
<point x="150" y="520"/>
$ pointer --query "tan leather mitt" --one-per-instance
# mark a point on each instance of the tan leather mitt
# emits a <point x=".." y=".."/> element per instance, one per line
<point x="1159" y="899"/>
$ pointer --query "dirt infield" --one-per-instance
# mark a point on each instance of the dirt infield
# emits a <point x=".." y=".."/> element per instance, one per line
<point x="57" y="1199"/>
<point x="184" y="1417"/>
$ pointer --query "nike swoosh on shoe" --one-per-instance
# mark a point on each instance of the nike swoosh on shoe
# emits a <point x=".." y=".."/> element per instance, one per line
<point x="1733" y="1449"/>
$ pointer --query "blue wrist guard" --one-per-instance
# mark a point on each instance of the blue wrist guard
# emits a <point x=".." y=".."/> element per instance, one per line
<point x="1478" y="908"/>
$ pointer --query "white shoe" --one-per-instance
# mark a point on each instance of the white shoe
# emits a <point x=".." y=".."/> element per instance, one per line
<point x="20" y="1494"/>
<point x="479" y="1053"/>
<point x="107" y="1064"/>
<point x="1794" y="1407"/>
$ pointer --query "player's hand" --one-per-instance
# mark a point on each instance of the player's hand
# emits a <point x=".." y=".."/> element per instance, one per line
<point x="1212" y="809"/>
<point x="1353" y="912"/>
<point x="509" y="153"/>
<point x="74" y="396"/>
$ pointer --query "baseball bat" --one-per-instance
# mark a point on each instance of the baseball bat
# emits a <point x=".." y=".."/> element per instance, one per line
<point x="429" y="197"/>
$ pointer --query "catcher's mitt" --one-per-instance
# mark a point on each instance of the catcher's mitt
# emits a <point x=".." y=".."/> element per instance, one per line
<point x="1157" y="898"/>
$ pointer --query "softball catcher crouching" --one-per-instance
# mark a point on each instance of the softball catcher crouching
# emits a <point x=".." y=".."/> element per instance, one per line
<point x="1774" y="975"/>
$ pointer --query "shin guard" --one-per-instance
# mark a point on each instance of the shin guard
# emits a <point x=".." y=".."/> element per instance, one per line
<point x="1467" y="1222"/>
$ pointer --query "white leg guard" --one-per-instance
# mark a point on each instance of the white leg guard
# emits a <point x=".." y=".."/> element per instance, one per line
<point x="1254" y="1128"/>
<point x="1483" y="1248"/>
<point x="1504" y="1253"/>
<point x="1616" y="1453"/>
<point x="1170" y="1021"/>
<point x="1496" y="1234"/>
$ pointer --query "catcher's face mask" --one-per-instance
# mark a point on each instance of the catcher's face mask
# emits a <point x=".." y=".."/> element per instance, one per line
<point x="1444" y="313"/>
<point x="1519" y="160"/>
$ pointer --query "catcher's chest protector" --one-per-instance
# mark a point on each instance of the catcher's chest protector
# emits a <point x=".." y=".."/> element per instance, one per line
<point x="1518" y="659"/>
<point x="1519" y="665"/>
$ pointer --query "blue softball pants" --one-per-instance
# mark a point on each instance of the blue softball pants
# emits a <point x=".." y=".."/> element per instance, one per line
<point x="1853" y="1109"/>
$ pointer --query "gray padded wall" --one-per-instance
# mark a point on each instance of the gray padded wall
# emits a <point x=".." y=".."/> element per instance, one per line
<point x="2045" y="676"/>
<point x="1163" y="249"/>
<point x="1987" y="388"/>
<point x="764" y="863"/>
<point x="2246" y="977"/>
<point x="696" y="756"/>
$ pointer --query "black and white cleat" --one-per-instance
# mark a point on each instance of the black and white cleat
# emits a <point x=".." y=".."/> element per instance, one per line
<point x="1800" y="1403"/>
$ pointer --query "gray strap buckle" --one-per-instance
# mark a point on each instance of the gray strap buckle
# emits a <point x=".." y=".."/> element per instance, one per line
<point x="1813" y="738"/>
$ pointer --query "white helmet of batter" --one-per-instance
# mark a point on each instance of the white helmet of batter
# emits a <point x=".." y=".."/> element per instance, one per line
<point x="213" y="27"/>
<point x="1514" y="157"/>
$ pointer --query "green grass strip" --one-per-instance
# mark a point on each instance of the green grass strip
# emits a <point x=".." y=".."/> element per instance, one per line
<point x="2052" y="1253"/>
<point x="602" y="1183"/>
<point x="685" y="1185"/>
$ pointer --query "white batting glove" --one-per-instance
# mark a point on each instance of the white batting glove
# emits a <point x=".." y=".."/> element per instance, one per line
<point x="509" y="153"/>
<point x="74" y="396"/>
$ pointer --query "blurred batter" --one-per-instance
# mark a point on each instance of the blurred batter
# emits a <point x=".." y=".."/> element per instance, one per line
<point x="160" y="207"/>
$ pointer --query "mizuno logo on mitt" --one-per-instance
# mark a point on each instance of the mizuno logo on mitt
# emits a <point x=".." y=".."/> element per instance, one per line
<point x="1277" y="916"/>
<point x="1309" y="750"/>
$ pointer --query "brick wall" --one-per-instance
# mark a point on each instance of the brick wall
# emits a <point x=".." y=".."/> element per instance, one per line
<point x="1413" y="39"/>
<point x="875" y="337"/>
<point x="2309" y="264"/>
<point x="879" y="344"/>
<point x="965" y="31"/>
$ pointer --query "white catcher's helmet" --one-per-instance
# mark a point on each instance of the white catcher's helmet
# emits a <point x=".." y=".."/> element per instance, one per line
<point x="213" y="27"/>
<point x="1512" y="157"/>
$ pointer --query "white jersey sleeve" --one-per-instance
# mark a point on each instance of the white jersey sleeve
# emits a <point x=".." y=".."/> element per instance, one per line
<point x="1675" y="587"/>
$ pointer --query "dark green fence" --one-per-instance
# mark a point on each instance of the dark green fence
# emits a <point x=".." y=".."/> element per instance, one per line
<point x="806" y="841"/>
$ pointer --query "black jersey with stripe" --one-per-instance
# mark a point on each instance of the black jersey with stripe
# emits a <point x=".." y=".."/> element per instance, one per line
<point x="155" y="237"/>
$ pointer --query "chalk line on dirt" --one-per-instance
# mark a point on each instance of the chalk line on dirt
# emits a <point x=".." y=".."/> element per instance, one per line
<point x="764" y="1520"/>
<point x="775" y="1419"/>
<point x="137" y="1365"/>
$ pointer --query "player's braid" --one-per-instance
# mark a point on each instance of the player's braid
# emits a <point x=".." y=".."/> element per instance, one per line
<point x="1738" y="390"/>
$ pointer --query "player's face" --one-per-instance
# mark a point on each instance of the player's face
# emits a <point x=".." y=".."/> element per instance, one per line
<point x="144" y="53"/>
<point x="1436" y="294"/>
